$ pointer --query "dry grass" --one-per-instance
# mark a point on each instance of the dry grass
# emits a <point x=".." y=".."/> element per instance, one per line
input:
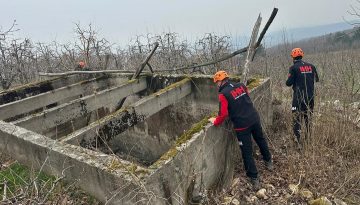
<point x="21" y="185"/>
<point x="329" y="164"/>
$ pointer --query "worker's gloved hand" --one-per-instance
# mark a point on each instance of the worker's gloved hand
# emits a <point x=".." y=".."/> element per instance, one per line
<point x="212" y="119"/>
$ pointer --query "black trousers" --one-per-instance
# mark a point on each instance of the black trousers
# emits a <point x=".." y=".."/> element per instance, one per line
<point x="302" y="113"/>
<point x="245" y="142"/>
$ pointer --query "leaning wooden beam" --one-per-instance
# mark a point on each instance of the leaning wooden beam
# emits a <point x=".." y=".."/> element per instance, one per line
<point x="263" y="32"/>
<point x="146" y="62"/>
<point x="242" y="50"/>
<point x="81" y="107"/>
<point x="119" y="121"/>
<point x="138" y="71"/>
<point x="84" y="72"/>
<point x="251" y="49"/>
<point x="31" y="103"/>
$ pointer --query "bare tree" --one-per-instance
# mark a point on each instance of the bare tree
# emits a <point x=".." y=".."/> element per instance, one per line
<point x="8" y="31"/>
<point x="212" y="47"/>
<point x="96" y="52"/>
<point x="355" y="11"/>
<point x="172" y="51"/>
<point x="47" y="60"/>
<point x="17" y="59"/>
<point x="7" y="75"/>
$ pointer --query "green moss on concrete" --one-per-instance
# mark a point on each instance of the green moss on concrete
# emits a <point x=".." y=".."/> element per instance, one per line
<point x="194" y="129"/>
<point x="181" y="140"/>
<point x="253" y="83"/>
<point x="114" y="165"/>
<point x="235" y="78"/>
<point x="110" y="117"/>
<point x="131" y="168"/>
<point x="169" y="154"/>
<point x="132" y="80"/>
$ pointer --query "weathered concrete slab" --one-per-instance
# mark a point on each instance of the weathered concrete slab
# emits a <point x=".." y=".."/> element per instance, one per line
<point x="80" y="107"/>
<point x="202" y="158"/>
<point x="32" y="103"/>
<point x="204" y="155"/>
<point x="191" y="164"/>
<point x="194" y="158"/>
<point x="261" y="95"/>
<point x="35" y="88"/>
<point x="119" y="121"/>
<point x="103" y="176"/>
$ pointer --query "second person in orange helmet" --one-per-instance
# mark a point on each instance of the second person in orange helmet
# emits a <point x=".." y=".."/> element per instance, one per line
<point x="302" y="77"/>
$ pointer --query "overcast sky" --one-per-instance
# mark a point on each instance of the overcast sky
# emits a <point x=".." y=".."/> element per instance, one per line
<point x="120" y="20"/>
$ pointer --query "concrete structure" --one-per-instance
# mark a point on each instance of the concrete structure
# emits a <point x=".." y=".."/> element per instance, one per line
<point x="158" y="148"/>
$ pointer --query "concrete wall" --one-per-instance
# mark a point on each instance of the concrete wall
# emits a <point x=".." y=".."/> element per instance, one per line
<point x="148" y="140"/>
<point x="107" y="99"/>
<point x="194" y="167"/>
<point x="192" y="156"/>
<point x="100" y="175"/>
<point x="35" y="88"/>
<point x="122" y="119"/>
<point x="207" y="159"/>
<point x="203" y="162"/>
<point x="262" y="99"/>
<point x="52" y="96"/>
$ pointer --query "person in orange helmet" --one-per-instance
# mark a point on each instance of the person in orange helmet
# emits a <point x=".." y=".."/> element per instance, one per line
<point x="81" y="65"/>
<point x="302" y="77"/>
<point x="236" y="104"/>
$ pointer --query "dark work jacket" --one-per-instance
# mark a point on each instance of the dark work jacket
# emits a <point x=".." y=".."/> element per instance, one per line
<point x="301" y="77"/>
<point x="235" y="102"/>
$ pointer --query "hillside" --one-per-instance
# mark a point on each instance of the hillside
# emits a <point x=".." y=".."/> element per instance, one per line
<point x="329" y="164"/>
<point x="301" y="33"/>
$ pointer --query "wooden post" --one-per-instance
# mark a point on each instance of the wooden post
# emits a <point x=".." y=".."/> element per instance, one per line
<point x="263" y="32"/>
<point x="139" y="70"/>
<point x="251" y="48"/>
<point x="145" y="62"/>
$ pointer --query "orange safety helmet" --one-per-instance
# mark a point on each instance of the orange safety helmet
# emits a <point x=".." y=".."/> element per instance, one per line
<point x="220" y="75"/>
<point x="81" y="64"/>
<point x="296" y="52"/>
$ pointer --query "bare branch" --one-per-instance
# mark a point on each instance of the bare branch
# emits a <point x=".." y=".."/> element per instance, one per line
<point x="355" y="11"/>
<point x="8" y="31"/>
